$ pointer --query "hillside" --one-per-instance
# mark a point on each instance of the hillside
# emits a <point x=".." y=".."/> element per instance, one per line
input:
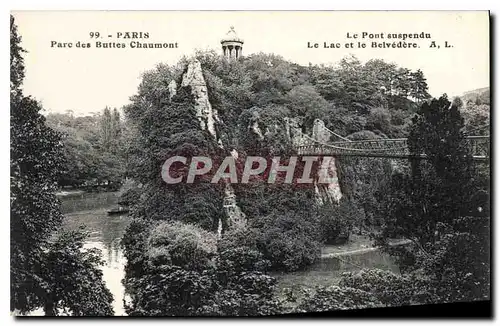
<point x="477" y="96"/>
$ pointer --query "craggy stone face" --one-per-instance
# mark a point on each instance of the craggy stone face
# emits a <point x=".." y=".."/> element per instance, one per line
<point x="207" y="117"/>
<point x="204" y="111"/>
<point x="172" y="89"/>
<point x="329" y="190"/>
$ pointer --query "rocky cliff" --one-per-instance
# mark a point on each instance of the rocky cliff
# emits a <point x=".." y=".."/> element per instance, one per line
<point x="326" y="193"/>
<point x="204" y="111"/>
<point x="208" y="117"/>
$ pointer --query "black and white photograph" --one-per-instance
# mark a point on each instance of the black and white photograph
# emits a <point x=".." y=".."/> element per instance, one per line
<point x="250" y="163"/>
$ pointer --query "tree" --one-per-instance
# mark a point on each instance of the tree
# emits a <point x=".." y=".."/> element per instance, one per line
<point x="439" y="207"/>
<point x="379" y="119"/>
<point x="418" y="86"/>
<point x="437" y="132"/>
<point x="116" y="125"/>
<point x="79" y="149"/>
<point x="16" y="61"/>
<point x="305" y="102"/>
<point x="94" y="148"/>
<point x="73" y="279"/>
<point x="357" y="94"/>
<point x="270" y="75"/>
<point x="477" y="119"/>
<point x="440" y="186"/>
<point x="327" y="82"/>
<point x="36" y="159"/>
<point x="107" y="132"/>
<point x="402" y="82"/>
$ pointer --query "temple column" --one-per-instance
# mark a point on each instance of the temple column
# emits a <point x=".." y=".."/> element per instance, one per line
<point x="232" y="45"/>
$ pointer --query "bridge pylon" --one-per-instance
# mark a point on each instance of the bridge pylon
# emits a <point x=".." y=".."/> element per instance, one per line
<point x="319" y="132"/>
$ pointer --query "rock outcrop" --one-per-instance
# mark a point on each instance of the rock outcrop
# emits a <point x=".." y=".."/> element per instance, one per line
<point x="329" y="192"/>
<point x="256" y="130"/>
<point x="204" y="111"/>
<point x="208" y="117"/>
<point x="319" y="132"/>
<point x="237" y="218"/>
<point x="293" y="132"/>
<point x="172" y="89"/>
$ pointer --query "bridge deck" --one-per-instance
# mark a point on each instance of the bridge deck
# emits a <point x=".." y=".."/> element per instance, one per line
<point x="386" y="148"/>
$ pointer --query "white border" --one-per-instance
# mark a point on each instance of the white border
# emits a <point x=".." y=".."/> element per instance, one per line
<point x="7" y="6"/>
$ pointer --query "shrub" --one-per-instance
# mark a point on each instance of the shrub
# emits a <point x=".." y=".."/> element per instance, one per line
<point x="245" y="290"/>
<point x="183" y="245"/>
<point x="336" y="298"/>
<point x="388" y="288"/>
<point x="238" y="252"/>
<point x="247" y="294"/>
<point x="130" y="193"/>
<point x="336" y="222"/>
<point x="172" y="291"/>
<point x="379" y="119"/>
<point x="188" y="273"/>
<point x="288" y="240"/>
<point x="459" y="267"/>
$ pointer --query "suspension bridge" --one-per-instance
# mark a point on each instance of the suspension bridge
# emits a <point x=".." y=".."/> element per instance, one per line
<point x="320" y="145"/>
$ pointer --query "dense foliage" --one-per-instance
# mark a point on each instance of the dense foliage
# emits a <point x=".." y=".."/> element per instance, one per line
<point x="94" y="148"/>
<point x="368" y="288"/>
<point x="475" y="109"/>
<point x="442" y="207"/>
<point x="177" y="267"/>
<point x="186" y="272"/>
<point x="48" y="270"/>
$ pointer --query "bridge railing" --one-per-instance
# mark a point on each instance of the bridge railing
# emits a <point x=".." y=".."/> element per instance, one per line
<point x="395" y="148"/>
<point x="387" y="147"/>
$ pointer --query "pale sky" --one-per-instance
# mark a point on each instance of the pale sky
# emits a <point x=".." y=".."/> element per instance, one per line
<point x="87" y="80"/>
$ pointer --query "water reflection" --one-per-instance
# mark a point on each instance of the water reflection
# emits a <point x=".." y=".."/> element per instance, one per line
<point x="327" y="271"/>
<point x="105" y="234"/>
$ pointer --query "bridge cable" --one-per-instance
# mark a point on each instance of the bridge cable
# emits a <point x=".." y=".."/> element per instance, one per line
<point x="338" y="147"/>
<point x="337" y="135"/>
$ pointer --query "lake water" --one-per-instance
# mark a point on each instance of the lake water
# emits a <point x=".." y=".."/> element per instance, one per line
<point x="105" y="234"/>
<point x="107" y="231"/>
<point x="90" y="210"/>
<point x="327" y="271"/>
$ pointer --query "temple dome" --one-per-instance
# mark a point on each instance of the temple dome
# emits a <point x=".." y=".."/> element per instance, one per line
<point x="231" y="36"/>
